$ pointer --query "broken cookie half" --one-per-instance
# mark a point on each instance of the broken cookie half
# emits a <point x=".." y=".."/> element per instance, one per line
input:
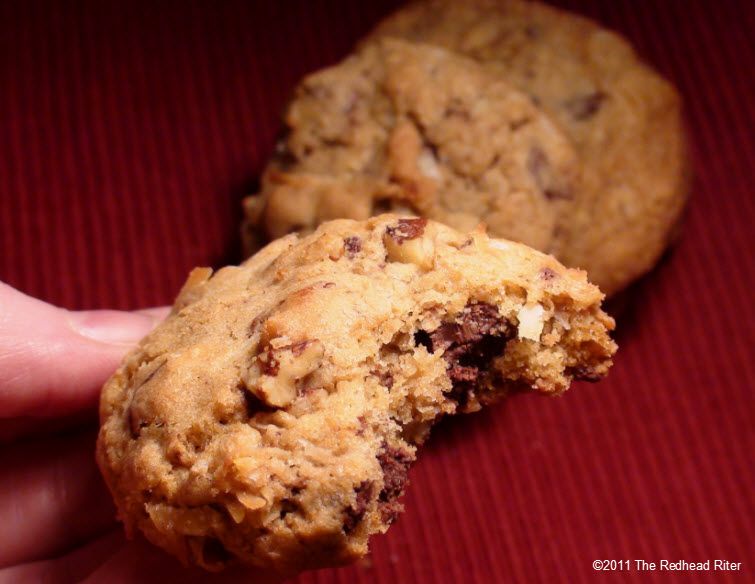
<point x="272" y="418"/>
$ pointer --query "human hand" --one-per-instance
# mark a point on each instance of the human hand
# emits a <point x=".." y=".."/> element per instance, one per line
<point x="57" y="521"/>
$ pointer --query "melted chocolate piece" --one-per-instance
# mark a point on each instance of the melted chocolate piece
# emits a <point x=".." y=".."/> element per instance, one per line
<point x="355" y="513"/>
<point x="394" y="463"/>
<point x="469" y="345"/>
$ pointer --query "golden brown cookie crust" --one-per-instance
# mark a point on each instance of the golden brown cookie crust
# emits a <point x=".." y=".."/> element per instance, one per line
<point x="271" y="419"/>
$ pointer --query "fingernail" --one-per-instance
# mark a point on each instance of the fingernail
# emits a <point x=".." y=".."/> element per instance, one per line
<point x="111" y="326"/>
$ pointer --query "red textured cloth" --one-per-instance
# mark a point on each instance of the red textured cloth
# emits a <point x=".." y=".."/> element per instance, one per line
<point x="130" y="131"/>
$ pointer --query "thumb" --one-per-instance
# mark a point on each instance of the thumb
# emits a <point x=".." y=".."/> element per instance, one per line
<point x="54" y="361"/>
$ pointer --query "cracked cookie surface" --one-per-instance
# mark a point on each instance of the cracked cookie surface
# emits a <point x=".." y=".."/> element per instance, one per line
<point x="409" y="127"/>
<point x="272" y="418"/>
<point x="625" y="120"/>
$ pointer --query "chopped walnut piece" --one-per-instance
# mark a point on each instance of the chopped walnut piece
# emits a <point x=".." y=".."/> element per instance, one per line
<point x="404" y="243"/>
<point x="406" y="229"/>
<point x="273" y="375"/>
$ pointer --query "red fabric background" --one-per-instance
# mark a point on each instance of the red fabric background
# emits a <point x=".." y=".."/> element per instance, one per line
<point x="129" y="133"/>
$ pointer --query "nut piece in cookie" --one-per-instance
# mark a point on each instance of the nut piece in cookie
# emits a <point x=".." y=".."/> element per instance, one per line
<point x="273" y="418"/>
<point x="277" y="371"/>
<point x="404" y="243"/>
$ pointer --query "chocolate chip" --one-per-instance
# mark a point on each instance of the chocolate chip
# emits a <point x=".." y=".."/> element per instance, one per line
<point x="480" y="318"/>
<point x="352" y="245"/>
<point x="469" y="345"/>
<point x="355" y="513"/>
<point x="462" y="373"/>
<point x="444" y="336"/>
<point x="407" y="229"/>
<point x="584" y="107"/>
<point x="390" y="510"/>
<point x="394" y="463"/>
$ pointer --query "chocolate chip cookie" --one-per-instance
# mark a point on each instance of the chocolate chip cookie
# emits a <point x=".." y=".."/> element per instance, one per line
<point x="272" y="418"/>
<point x="624" y="119"/>
<point x="408" y="127"/>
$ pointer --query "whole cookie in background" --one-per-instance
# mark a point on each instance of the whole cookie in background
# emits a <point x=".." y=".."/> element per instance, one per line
<point x="271" y="419"/>
<point x="415" y="128"/>
<point x="624" y="119"/>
